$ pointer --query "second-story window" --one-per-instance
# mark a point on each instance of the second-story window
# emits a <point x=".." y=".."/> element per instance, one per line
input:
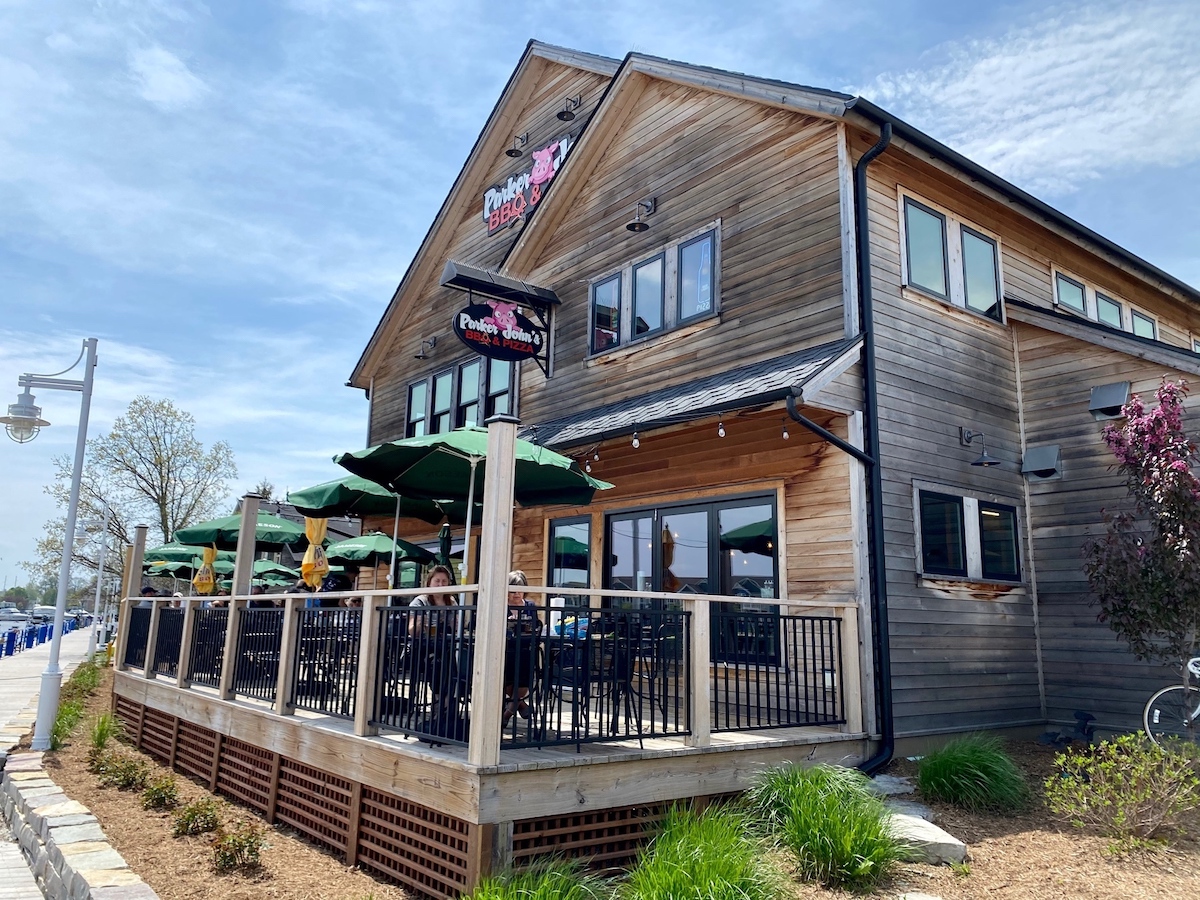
<point x="696" y="277"/>
<point x="648" y="296"/>
<point x="1143" y="325"/>
<point x="464" y="395"/>
<point x="950" y="259"/>
<point x="1109" y="311"/>
<point x="1073" y="294"/>
<point x="606" y="314"/>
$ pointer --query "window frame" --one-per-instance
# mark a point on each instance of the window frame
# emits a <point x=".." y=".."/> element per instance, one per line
<point x="986" y="506"/>
<point x="958" y="501"/>
<point x="661" y="259"/>
<point x="592" y="288"/>
<point x="709" y="235"/>
<point x="459" y="370"/>
<point x="954" y="227"/>
<point x="484" y="396"/>
<point x="1134" y="315"/>
<point x="1093" y="295"/>
<point x="1059" y="276"/>
<point x="972" y="532"/>
<point x="409" y="420"/>
<point x="1102" y="298"/>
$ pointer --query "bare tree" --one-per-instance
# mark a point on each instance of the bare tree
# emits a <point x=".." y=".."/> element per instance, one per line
<point x="149" y="469"/>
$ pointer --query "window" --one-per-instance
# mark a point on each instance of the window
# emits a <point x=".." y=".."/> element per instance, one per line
<point x="675" y="286"/>
<point x="946" y="258"/>
<point x="451" y="399"/>
<point x="648" y="296"/>
<point x="570" y="557"/>
<point x="416" y="409"/>
<point x="1195" y="345"/>
<point x="695" y="290"/>
<point x="1144" y="326"/>
<point x="967" y="537"/>
<point x="1108" y="311"/>
<point x="1070" y="293"/>
<point x="606" y="314"/>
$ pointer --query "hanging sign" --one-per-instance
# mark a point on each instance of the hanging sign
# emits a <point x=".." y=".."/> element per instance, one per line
<point x="495" y="329"/>
<point x="504" y="203"/>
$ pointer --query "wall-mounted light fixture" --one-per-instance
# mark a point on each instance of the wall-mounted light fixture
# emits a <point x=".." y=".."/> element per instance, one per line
<point x="430" y="344"/>
<point x="1107" y="400"/>
<point x="567" y="113"/>
<point x="649" y="206"/>
<point x="1042" y="463"/>
<point x="519" y="141"/>
<point x="966" y="437"/>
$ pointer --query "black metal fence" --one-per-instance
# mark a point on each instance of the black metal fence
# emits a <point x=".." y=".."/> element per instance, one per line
<point x="260" y="633"/>
<point x="327" y="661"/>
<point x="208" y="645"/>
<point x="166" y="648"/>
<point x="139" y="635"/>
<point x="774" y="671"/>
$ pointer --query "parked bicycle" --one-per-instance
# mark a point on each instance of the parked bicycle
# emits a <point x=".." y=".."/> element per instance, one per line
<point x="1174" y="712"/>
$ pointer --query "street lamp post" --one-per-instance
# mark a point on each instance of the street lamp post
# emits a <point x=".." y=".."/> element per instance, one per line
<point x="23" y="423"/>
<point x="99" y="580"/>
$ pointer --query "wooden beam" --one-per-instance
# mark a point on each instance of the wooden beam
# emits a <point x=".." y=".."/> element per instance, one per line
<point x="190" y="606"/>
<point x="851" y="683"/>
<point x="487" y="676"/>
<point x="152" y="638"/>
<point x="698" y="657"/>
<point x="216" y="762"/>
<point x="229" y="653"/>
<point x="355" y="823"/>
<point x="287" y="655"/>
<point x="273" y="790"/>
<point x="243" y="567"/>
<point x="368" y="650"/>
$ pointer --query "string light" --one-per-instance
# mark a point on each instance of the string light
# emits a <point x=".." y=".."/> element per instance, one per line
<point x="721" y="428"/>
<point x="636" y="441"/>
<point x="587" y="466"/>
<point x="596" y="456"/>
<point x="786" y="436"/>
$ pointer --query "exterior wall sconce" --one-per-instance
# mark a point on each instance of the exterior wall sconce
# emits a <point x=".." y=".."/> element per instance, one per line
<point x="1107" y="400"/>
<point x="1042" y="463"/>
<point x="567" y="113"/>
<point x="519" y="141"/>
<point x="430" y="344"/>
<point x="638" y="225"/>
<point x="966" y="436"/>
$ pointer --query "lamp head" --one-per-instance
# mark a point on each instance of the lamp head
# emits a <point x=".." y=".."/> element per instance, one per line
<point x="638" y="225"/>
<point x="24" y="419"/>
<point x="567" y="113"/>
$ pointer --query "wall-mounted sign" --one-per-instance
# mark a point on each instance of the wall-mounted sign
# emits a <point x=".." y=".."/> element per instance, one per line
<point x="504" y="203"/>
<point x="495" y="329"/>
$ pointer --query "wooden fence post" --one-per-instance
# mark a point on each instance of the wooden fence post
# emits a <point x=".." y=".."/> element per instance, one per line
<point x="288" y="636"/>
<point x="368" y="649"/>
<point x="699" y="654"/>
<point x="190" y="609"/>
<point x="850" y="685"/>
<point x="152" y="639"/>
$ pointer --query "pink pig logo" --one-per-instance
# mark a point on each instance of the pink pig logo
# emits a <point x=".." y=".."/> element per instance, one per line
<point x="503" y="314"/>
<point x="543" y="164"/>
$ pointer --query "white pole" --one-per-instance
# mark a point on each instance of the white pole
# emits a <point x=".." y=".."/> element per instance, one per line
<point x="52" y="676"/>
<point x="99" y="583"/>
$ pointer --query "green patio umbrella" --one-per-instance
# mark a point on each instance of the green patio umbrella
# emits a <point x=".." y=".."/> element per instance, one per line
<point x="264" y="567"/>
<point x="178" y="553"/>
<point x="221" y="567"/>
<point x="354" y="495"/>
<point x="271" y="531"/>
<point x="370" y="548"/>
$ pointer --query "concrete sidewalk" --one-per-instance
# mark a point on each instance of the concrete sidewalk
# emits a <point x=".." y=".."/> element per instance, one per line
<point x="20" y="682"/>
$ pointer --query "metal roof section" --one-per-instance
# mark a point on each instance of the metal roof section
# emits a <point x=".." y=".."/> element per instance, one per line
<point x="757" y="384"/>
<point x="499" y="287"/>
<point x="1105" y="336"/>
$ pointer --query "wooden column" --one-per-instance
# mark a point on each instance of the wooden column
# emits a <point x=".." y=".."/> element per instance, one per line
<point x="368" y="649"/>
<point x="850" y="679"/>
<point x="229" y="654"/>
<point x="190" y="605"/>
<point x="133" y="587"/>
<point x="495" y="556"/>
<point x="287" y="655"/>
<point x="243" y="567"/>
<point x="699" y="662"/>
<point x="152" y="638"/>
<point x="354" y="826"/>
<point x="124" y="613"/>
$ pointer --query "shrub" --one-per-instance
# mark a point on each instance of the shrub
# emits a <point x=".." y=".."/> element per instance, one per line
<point x="127" y="773"/>
<point x="104" y="729"/>
<point x="974" y="773"/>
<point x="555" y="880"/>
<point x="1129" y="788"/>
<point x="828" y="816"/>
<point x="705" y="855"/>
<point x="197" y="817"/>
<point x="162" y="793"/>
<point x="238" y="849"/>
<point x="65" y="721"/>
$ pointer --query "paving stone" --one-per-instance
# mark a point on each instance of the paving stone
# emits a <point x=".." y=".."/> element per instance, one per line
<point x="929" y="843"/>
<point x="917" y="895"/>
<point x="73" y="834"/>
<point x="98" y="856"/>
<point x="891" y="785"/>
<point x="27" y="777"/>
<point x="139" y="891"/>
<point x="109" y="877"/>
<point x="910" y="808"/>
<point x="23" y="762"/>
<point x="68" y="808"/>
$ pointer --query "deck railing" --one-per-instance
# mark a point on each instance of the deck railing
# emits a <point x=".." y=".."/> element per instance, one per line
<point x="603" y="666"/>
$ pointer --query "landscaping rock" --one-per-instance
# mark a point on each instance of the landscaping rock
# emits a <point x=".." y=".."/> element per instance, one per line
<point x="891" y="785"/>
<point x="928" y="842"/>
<point x="910" y="808"/>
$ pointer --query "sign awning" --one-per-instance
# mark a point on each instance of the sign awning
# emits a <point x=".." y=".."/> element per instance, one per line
<point x="498" y="287"/>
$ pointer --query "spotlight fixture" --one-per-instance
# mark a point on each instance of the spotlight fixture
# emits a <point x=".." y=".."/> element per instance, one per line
<point x="567" y="113"/>
<point x="430" y="344"/>
<point x="638" y="225"/>
<point x="636" y="441"/>
<point x="720" y="428"/>
<point x="519" y="141"/>
<point x="786" y="436"/>
<point x="966" y="436"/>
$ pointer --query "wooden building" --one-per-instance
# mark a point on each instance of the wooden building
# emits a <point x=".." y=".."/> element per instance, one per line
<point x="788" y="327"/>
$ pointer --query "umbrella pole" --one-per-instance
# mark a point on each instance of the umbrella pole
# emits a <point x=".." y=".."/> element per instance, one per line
<point x="467" y="538"/>
<point x="395" y="534"/>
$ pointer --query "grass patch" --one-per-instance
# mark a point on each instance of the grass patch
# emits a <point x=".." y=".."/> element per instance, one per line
<point x="703" y="855"/>
<point x="554" y="880"/>
<point x="973" y="773"/>
<point x="72" y="698"/>
<point x="829" y="817"/>
<point x="65" y="722"/>
<point x="198" y="817"/>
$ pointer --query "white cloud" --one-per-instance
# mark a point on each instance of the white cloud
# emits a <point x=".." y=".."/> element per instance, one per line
<point x="1078" y="94"/>
<point x="163" y="79"/>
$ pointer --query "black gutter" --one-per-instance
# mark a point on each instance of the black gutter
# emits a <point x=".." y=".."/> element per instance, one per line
<point x="878" y="558"/>
<point x="824" y="433"/>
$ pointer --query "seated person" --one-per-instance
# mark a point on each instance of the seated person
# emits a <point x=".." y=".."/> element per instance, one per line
<point x="438" y="577"/>
<point x="431" y="659"/>
<point x="335" y="582"/>
<point x="520" y="657"/>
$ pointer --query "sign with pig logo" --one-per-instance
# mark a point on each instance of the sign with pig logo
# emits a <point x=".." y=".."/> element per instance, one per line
<point x="504" y="203"/>
<point x="495" y="329"/>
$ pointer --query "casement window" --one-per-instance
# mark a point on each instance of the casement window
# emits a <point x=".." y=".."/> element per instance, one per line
<point x="967" y="537"/>
<point x="676" y="285"/>
<point x="466" y="394"/>
<point x="1143" y="325"/>
<point x="1083" y="298"/>
<point x="1109" y="311"/>
<point x="950" y="259"/>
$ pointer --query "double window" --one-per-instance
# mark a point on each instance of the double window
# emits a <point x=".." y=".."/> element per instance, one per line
<point x="463" y="395"/>
<point x="1080" y="297"/>
<point x="967" y="537"/>
<point x="950" y="259"/>
<point x="674" y="286"/>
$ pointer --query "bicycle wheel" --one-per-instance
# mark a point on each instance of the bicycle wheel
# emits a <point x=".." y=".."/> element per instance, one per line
<point x="1173" y="713"/>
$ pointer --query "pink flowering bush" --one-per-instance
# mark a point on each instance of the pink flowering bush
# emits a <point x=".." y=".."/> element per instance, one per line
<point x="1145" y="569"/>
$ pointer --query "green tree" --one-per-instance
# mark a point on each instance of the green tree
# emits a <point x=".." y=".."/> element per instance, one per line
<point x="148" y="469"/>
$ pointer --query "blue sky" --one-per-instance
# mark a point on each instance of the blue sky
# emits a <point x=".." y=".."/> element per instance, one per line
<point x="227" y="193"/>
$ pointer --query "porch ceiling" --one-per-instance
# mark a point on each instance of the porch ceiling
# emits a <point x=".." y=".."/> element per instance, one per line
<point x="762" y="382"/>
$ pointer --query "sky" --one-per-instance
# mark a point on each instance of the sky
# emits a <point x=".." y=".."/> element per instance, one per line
<point x="226" y="194"/>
